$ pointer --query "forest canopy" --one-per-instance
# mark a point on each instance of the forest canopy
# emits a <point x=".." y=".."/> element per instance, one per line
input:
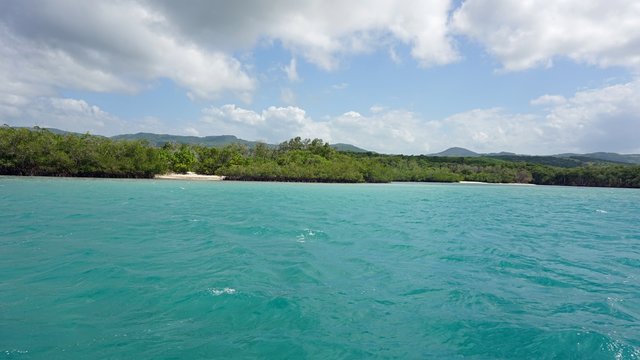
<point x="41" y="152"/>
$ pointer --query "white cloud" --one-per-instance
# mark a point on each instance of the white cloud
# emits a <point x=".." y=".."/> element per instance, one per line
<point x="491" y="130"/>
<point x="292" y="70"/>
<point x="605" y="119"/>
<point x="123" y="46"/>
<point x="79" y="116"/>
<point x="526" y="34"/>
<point x="312" y="29"/>
<point x="67" y="114"/>
<point x="274" y="124"/>
<point x="104" y="47"/>
<point x="424" y="25"/>
<point x="546" y="100"/>
<point x="393" y="131"/>
<point x="191" y="131"/>
<point x="393" y="55"/>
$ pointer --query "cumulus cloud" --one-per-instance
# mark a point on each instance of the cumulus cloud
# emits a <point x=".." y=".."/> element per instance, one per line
<point x="274" y="124"/>
<point x="604" y="119"/>
<point x="526" y="34"/>
<point x="277" y="124"/>
<point x="80" y="116"/>
<point x="599" y="119"/>
<point x="382" y="130"/>
<point x="67" y="114"/>
<point x="546" y="100"/>
<point x="387" y="131"/>
<point x="123" y="46"/>
<point x="320" y="31"/>
<point x="120" y="46"/>
<point x="104" y="47"/>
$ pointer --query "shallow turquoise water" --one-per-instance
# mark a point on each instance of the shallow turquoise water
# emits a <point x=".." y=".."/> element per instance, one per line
<point x="95" y="269"/>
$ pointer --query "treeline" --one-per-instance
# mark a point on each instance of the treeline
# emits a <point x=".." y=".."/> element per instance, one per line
<point x="41" y="152"/>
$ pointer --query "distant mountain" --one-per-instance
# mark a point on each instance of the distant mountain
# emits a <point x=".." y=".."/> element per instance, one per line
<point x="456" y="151"/>
<point x="61" y="132"/>
<point x="161" y="139"/>
<point x="561" y="160"/>
<point x="606" y="156"/>
<point x="544" y="160"/>
<point x="348" y="148"/>
<point x="215" y="141"/>
<point x="53" y="130"/>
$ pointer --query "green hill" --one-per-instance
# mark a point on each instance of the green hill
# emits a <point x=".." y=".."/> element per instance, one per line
<point x="545" y="160"/>
<point x="566" y="160"/>
<point x="213" y="141"/>
<point x="607" y="156"/>
<point x="561" y="160"/>
<point x="348" y="148"/>
<point x="161" y="139"/>
<point x="457" y="151"/>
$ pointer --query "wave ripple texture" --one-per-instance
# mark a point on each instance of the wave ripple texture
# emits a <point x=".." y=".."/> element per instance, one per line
<point x="171" y="269"/>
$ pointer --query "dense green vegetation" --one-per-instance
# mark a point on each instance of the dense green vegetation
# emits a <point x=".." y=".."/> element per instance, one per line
<point x="42" y="152"/>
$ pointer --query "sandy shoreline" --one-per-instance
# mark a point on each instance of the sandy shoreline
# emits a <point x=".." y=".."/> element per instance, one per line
<point x="194" y="176"/>
<point x="486" y="183"/>
<point x="189" y="176"/>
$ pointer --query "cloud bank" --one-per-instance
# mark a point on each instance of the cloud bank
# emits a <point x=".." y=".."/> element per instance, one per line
<point x="121" y="46"/>
<point x="526" y="34"/>
<point x="589" y="121"/>
<point x="205" y="48"/>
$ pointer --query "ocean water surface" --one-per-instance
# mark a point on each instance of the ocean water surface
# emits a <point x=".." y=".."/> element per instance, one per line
<point x="144" y="269"/>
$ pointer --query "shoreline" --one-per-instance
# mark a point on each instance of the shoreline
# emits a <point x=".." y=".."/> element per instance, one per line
<point x="189" y="176"/>
<point x="487" y="183"/>
<point x="196" y="177"/>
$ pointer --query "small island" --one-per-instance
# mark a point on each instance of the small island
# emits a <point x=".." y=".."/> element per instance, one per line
<point x="41" y="152"/>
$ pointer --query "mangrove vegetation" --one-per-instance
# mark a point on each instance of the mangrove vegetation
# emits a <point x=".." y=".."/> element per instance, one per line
<point x="42" y="152"/>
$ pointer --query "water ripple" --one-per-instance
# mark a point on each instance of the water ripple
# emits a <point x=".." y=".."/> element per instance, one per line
<point x="144" y="269"/>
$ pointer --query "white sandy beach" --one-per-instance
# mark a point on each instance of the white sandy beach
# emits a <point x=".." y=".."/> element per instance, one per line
<point x="486" y="183"/>
<point x="189" y="176"/>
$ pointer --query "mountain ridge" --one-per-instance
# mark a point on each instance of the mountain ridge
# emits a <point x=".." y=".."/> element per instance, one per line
<point x="563" y="159"/>
<point x="211" y="140"/>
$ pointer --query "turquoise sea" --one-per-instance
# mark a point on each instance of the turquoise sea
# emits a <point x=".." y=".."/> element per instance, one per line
<point x="145" y="269"/>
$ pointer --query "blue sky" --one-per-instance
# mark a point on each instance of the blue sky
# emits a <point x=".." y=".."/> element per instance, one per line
<point x="390" y="76"/>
